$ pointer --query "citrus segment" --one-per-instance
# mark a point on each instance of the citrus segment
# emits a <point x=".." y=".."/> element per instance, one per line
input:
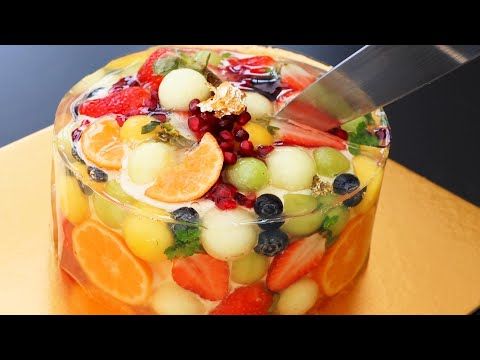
<point x="109" y="264"/>
<point x="101" y="144"/>
<point x="193" y="177"/>
<point x="344" y="260"/>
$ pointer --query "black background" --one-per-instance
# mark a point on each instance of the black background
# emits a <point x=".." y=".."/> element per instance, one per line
<point x="434" y="130"/>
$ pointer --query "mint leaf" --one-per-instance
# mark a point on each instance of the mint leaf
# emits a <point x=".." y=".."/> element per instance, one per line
<point x="329" y="222"/>
<point x="330" y="238"/>
<point x="187" y="241"/>
<point x="361" y="136"/>
<point x="152" y="125"/>
<point x="226" y="55"/>
<point x="164" y="65"/>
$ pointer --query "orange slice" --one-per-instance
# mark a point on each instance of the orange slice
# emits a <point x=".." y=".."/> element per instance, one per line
<point x="109" y="264"/>
<point x="101" y="144"/>
<point x="193" y="177"/>
<point x="344" y="260"/>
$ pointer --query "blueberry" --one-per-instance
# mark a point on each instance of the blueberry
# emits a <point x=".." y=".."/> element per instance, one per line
<point x="345" y="184"/>
<point x="85" y="189"/>
<point x="76" y="156"/>
<point x="355" y="199"/>
<point x="96" y="174"/>
<point x="184" y="214"/>
<point x="271" y="242"/>
<point x="268" y="206"/>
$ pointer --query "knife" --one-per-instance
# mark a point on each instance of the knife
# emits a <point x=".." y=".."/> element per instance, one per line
<point x="374" y="76"/>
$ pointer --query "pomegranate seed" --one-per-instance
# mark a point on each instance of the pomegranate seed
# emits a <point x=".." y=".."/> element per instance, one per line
<point x="231" y="118"/>
<point x="263" y="151"/>
<point x="244" y="118"/>
<point x="194" y="123"/>
<point x="225" y="124"/>
<point x="342" y="134"/>
<point x="209" y="118"/>
<point x="230" y="158"/>
<point x="246" y="148"/>
<point x="247" y="201"/>
<point x="76" y="134"/>
<point x="193" y="106"/>
<point x="205" y="128"/>
<point x="226" y="145"/>
<point x="226" y="204"/>
<point x="85" y="123"/>
<point x="241" y="134"/>
<point x="222" y="191"/>
<point x="120" y="119"/>
<point x="226" y="135"/>
<point x="160" y="117"/>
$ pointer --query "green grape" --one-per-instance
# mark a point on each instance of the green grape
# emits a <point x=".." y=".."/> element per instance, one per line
<point x="330" y="162"/>
<point x="326" y="201"/>
<point x="114" y="189"/>
<point x="351" y="126"/>
<point x="304" y="225"/>
<point x="108" y="212"/>
<point x="248" y="174"/>
<point x="249" y="268"/>
<point x="298" y="204"/>
<point x="336" y="219"/>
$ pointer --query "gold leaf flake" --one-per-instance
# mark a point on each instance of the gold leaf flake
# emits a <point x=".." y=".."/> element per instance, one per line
<point x="320" y="188"/>
<point x="228" y="100"/>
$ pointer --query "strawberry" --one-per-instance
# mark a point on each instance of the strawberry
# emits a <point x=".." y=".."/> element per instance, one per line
<point x="202" y="274"/>
<point x="295" y="77"/>
<point x="146" y="75"/>
<point x="295" y="261"/>
<point x="128" y="101"/>
<point x="246" y="300"/>
<point x="292" y="133"/>
<point x="252" y="61"/>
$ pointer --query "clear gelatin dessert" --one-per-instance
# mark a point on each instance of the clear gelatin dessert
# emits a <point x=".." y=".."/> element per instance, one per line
<point x="178" y="191"/>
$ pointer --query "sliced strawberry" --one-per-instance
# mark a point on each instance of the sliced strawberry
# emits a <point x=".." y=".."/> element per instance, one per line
<point x="312" y="116"/>
<point x="146" y="75"/>
<point x="295" y="77"/>
<point x="247" y="300"/>
<point x="295" y="261"/>
<point x="128" y="101"/>
<point x="202" y="274"/>
<point x="292" y="133"/>
<point x="252" y="61"/>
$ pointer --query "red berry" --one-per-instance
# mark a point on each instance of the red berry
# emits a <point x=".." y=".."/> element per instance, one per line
<point x="120" y="119"/>
<point x="226" y="135"/>
<point x="146" y="75"/>
<point x="241" y="134"/>
<point x="230" y="158"/>
<point x="246" y="148"/>
<point x="246" y="300"/>
<point x="209" y="118"/>
<point x="245" y="200"/>
<point x="264" y="150"/>
<point x="226" y="145"/>
<point x="128" y="101"/>
<point x="194" y="123"/>
<point x="244" y="118"/>
<point x="342" y="134"/>
<point x="226" y="204"/>
<point x="160" y="117"/>
<point x="225" y="124"/>
<point x="193" y="106"/>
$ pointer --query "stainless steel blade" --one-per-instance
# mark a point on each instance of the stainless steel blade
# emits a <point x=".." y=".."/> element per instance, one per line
<point x="374" y="76"/>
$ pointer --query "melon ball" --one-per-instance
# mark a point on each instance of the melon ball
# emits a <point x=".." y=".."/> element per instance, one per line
<point x="258" y="106"/>
<point x="181" y="86"/>
<point x="171" y="299"/>
<point x="148" y="160"/>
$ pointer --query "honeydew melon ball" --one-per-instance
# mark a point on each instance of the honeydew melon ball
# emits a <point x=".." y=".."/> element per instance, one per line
<point x="181" y="86"/>
<point x="258" y="106"/>
<point x="298" y="298"/>
<point x="171" y="299"/>
<point x="290" y="168"/>
<point x="228" y="234"/>
<point x="148" y="160"/>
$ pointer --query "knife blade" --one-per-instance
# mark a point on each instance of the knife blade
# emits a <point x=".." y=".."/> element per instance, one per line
<point x="374" y="76"/>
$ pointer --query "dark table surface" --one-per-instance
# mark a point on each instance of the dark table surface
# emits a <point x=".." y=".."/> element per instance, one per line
<point x="435" y="129"/>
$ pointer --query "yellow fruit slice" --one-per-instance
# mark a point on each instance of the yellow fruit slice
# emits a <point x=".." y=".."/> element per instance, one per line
<point x="131" y="130"/>
<point x="370" y="174"/>
<point x="73" y="202"/>
<point x="259" y="135"/>
<point x="109" y="264"/>
<point x="101" y="144"/>
<point x="193" y="177"/>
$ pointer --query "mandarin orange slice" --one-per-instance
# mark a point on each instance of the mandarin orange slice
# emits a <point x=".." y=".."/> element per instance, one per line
<point x="193" y="177"/>
<point x="344" y="260"/>
<point x="101" y="144"/>
<point x="109" y="265"/>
